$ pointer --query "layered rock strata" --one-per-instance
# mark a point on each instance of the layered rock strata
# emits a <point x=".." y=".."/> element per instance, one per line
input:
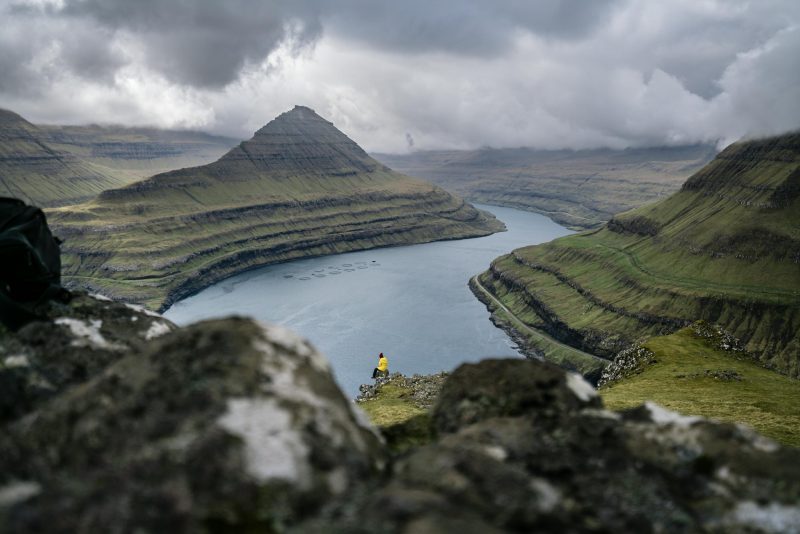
<point x="33" y="170"/>
<point x="579" y="189"/>
<point x="298" y="188"/>
<point x="724" y="249"/>
<point x="137" y="152"/>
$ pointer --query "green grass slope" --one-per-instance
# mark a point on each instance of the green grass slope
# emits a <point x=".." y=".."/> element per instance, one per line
<point x="36" y="172"/>
<point x="298" y="188"/>
<point x="725" y="248"/>
<point x="691" y="376"/>
<point x="401" y="409"/>
<point x="580" y="189"/>
<point x="391" y="405"/>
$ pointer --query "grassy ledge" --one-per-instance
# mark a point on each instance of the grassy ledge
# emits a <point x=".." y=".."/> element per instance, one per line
<point x="401" y="408"/>
<point x="392" y="405"/>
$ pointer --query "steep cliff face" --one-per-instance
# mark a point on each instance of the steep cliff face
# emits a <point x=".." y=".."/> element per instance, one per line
<point x="725" y="248"/>
<point x="579" y="189"/>
<point x="298" y="188"/>
<point x="36" y="172"/>
<point x="137" y="153"/>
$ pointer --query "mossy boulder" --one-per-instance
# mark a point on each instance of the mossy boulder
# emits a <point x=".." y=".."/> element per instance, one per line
<point x="507" y="388"/>
<point x="74" y="342"/>
<point x="525" y="447"/>
<point x="224" y="424"/>
<point x="230" y="425"/>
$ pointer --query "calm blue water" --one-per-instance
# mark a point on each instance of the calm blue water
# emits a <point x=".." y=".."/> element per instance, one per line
<point x="411" y="303"/>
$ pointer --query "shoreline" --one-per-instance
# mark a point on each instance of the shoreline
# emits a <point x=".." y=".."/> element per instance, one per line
<point x="189" y="289"/>
<point x="588" y="365"/>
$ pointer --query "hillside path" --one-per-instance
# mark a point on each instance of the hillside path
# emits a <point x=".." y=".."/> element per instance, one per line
<point x="528" y="329"/>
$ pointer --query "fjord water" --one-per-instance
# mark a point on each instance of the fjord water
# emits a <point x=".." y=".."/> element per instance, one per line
<point x="411" y="303"/>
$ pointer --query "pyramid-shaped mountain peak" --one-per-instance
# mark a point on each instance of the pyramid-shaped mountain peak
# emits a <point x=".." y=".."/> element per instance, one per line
<point x="298" y="188"/>
<point x="300" y="140"/>
<point x="300" y="120"/>
<point x="300" y="113"/>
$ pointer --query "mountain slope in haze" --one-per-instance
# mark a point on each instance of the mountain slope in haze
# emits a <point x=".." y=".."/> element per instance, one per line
<point x="725" y="248"/>
<point x="298" y="188"/>
<point x="137" y="153"/>
<point x="579" y="189"/>
<point x="36" y="172"/>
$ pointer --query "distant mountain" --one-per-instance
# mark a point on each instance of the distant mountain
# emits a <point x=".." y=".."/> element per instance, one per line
<point x="576" y="188"/>
<point x="725" y="248"/>
<point x="137" y="153"/>
<point x="33" y="170"/>
<point x="298" y="188"/>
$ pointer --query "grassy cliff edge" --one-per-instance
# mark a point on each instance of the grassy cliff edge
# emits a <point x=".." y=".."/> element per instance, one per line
<point x="725" y="249"/>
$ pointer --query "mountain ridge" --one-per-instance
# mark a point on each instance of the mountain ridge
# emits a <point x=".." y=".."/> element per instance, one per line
<point x="135" y="153"/>
<point x="579" y="189"/>
<point x="34" y="171"/>
<point x="298" y="188"/>
<point x="725" y="248"/>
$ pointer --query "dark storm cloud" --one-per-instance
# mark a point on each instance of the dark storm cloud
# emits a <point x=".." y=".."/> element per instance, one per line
<point x="207" y="43"/>
<point x="697" y="45"/>
<point x="204" y="43"/>
<point x="456" y="73"/>
<point x="36" y="47"/>
<point x="474" y="27"/>
<point x="15" y="75"/>
<point x="90" y="55"/>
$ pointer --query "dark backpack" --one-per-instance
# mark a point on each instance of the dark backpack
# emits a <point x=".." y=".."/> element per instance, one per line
<point x="30" y="263"/>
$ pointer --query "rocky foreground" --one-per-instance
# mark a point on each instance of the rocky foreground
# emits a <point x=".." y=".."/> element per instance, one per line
<point x="113" y="420"/>
<point x="39" y="173"/>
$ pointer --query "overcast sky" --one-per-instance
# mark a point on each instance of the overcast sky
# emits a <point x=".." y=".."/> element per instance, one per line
<point x="424" y="73"/>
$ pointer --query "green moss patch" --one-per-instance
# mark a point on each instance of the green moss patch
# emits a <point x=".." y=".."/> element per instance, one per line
<point x="392" y="405"/>
<point x="399" y="414"/>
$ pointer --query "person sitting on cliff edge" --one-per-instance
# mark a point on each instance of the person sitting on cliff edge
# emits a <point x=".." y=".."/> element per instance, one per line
<point x="383" y="367"/>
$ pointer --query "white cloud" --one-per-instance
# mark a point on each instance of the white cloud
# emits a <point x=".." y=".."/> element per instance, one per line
<point x="624" y="74"/>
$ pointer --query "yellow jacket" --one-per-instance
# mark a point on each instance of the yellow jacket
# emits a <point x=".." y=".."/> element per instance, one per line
<point x="383" y="364"/>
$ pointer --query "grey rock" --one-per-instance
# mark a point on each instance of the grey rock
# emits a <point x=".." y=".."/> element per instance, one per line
<point x="75" y="342"/>
<point x="627" y="362"/>
<point x="538" y="455"/>
<point x="229" y="425"/>
<point x="222" y="425"/>
<point x="719" y="338"/>
<point x="497" y="388"/>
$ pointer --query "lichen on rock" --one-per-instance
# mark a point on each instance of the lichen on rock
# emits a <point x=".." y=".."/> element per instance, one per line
<point x="626" y="363"/>
<point x="232" y="425"/>
<point x="225" y="424"/>
<point x="519" y="450"/>
<point x="71" y="344"/>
